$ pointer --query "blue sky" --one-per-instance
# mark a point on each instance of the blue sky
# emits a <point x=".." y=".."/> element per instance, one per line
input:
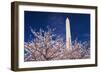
<point x="80" y="24"/>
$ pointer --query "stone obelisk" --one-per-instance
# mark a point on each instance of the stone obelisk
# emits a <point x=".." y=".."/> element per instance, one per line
<point x="68" y="35"/>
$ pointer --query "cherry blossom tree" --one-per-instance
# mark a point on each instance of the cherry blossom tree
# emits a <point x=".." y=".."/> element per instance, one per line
<point x="43" y="47"/>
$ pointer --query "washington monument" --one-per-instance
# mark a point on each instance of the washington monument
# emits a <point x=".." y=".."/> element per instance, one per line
<point x="68" y="35"/>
